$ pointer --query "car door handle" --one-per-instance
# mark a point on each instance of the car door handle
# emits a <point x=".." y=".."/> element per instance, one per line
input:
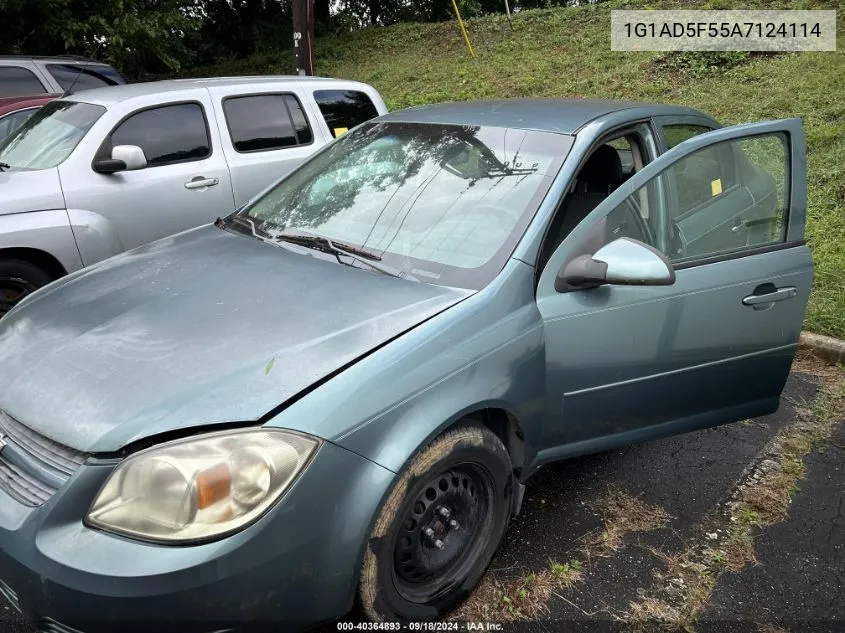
<point x="199" y="182"/>
<point x="778" y="294"/>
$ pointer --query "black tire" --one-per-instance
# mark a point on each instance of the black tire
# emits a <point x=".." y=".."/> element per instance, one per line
<point x="406" y="574"/>
<point x="18" y="279"/>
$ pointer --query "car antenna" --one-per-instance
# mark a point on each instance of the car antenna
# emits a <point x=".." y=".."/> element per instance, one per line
<point x="82" y="61"/>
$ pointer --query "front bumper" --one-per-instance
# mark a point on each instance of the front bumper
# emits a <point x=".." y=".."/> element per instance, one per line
<point x="293" y="569"/>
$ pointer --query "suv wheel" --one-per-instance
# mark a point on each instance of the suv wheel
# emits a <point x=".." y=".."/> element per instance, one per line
<point x="18" y="279"/>
<point x="439" y="528"/>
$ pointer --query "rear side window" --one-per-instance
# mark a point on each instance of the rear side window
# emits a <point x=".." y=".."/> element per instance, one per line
<point x="344" y="109"/>
<point x="677" y="134"/>
<point x="260" y="123"/>
<point x="17" y="82"/>
<point x="83" y="77"/>
<point x="169" y="134"/>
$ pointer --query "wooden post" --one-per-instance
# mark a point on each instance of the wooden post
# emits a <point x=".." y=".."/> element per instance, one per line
<point x="303" y="36"/>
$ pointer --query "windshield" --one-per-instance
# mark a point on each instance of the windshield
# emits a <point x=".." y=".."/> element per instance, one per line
<point x="443" y="204"/>
<point x="50" y="135"/>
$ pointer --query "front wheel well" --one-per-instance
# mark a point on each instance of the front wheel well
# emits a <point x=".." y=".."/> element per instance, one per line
<point x="507" y="428"/>
<point x="44" y="260"/>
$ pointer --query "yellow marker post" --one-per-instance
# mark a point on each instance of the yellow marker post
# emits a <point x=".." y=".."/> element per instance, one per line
<point x="463" y="29"/>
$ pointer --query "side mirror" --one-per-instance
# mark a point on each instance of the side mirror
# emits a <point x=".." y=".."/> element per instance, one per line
<point x="132" y="155"/>
<point x="624" y="261"/>
<point x="123" y="158"/>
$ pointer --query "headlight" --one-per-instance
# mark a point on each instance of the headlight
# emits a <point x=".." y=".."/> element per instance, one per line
<point x="200" y="487"/>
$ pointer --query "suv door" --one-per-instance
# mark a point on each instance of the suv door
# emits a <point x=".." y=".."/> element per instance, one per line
<point x="185" y="184"/>
<point x="625" y="363"/>
<point x="264" y="135"/>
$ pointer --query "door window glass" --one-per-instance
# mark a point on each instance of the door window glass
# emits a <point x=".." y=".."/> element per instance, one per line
<point x="751" y="211"/>
<point x="676" y="134"/>
<point x="17" y="82"/>
<point x="169" y="134"/>
<point x="258" y="123"/>
<point x="344" y="109"/>
<point x="11" y="121"/>
<point x="81" y="77"/>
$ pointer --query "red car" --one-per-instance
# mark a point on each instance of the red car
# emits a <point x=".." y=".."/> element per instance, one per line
<point x="15" y="110"/>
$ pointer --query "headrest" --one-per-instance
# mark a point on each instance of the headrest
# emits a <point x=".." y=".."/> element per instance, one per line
<point x="603" y="167"/>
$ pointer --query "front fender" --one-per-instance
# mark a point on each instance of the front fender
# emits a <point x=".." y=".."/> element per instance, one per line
<point x="96" y="236"/>
<point x="487" y="351"/>
<point x="47" y="231"/>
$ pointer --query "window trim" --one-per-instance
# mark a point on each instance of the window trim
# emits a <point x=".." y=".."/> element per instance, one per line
<point x="107" y="140"/>
<point x="274" y="93"/>
<point x="44" y="88"/>
<point x="738" y="254"/>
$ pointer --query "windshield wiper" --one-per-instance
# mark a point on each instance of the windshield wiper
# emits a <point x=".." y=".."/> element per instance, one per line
<point x="5" y="166"/>
<point x="246" y="222"/>
<point x="331" y="247"/>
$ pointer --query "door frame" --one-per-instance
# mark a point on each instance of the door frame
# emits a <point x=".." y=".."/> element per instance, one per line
<point x="796" y="205"/>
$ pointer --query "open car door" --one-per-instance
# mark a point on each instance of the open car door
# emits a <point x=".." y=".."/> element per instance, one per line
<point x="727" y="210"/>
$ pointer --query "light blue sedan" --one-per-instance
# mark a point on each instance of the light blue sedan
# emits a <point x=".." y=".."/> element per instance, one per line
<point x="342" y="388"/>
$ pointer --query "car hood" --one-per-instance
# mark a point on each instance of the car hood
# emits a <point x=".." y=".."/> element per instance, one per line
<point x="34" y="190"/>
<point x="202" y="328"/>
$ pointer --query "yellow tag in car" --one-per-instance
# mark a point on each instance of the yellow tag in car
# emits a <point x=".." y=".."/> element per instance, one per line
<point x="716" y="186"/>
<point x="340" y="131"/>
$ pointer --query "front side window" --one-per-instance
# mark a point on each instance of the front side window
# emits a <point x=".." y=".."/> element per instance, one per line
<point x="344" y="109"/>
<point x="169" y="134"/>
<point x="49" y="136"/>
<point x="746" y="212"/>
<point x="16" y="81"/>
<point x="258" y="123"/>
<point x="81" y="77"/>
<point x="442" y="204"/>
<point x="10" y="122"/>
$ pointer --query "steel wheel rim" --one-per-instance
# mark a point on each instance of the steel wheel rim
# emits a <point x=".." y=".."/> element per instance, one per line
<point x="442" y="532"/>
<point x="12" y="290"/>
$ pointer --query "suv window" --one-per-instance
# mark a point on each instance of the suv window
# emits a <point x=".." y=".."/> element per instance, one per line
<point x="259" y="123"/>
<point x="17" y="82"/>
<point x="752" y="212"/>
<point x="168" y="134"/>
<point x="344" y="109"/>
<point x="83" y="77"/>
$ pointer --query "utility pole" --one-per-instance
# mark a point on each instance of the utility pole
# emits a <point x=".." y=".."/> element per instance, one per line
<point x="303" y="36"/>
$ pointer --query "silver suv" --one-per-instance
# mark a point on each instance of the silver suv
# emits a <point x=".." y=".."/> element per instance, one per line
<point x="26" y="76"/>
<point x="92" y="175"/>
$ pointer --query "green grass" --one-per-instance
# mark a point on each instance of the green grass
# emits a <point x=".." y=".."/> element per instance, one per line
<point x="566" y="52"/>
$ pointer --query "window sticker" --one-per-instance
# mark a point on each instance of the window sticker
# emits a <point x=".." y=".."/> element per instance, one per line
<point x="716" y="186"/>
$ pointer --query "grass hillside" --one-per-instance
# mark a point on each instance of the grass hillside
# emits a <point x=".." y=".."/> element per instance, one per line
<point x="566" y="52"/>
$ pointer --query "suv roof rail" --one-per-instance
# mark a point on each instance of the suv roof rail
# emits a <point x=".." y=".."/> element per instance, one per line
<point x="75" y="58"/>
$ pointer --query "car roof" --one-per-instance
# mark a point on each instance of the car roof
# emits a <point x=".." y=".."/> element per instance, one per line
<point x="564" y="116"/>
<point x="115" y="94"/>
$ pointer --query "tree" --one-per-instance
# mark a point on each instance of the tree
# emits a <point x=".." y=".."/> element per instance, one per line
<point x="134" y="35"/>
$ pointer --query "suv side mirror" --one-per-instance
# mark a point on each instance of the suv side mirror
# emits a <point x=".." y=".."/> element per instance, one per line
<point x="123" y="158"/>
<point x="624" y="261"/>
